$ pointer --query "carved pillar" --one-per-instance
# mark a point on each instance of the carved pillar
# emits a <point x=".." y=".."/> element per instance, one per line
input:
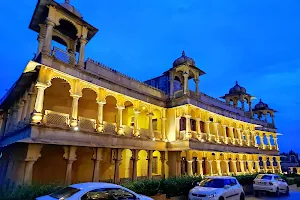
<point x="136" y="124"/>
<point x="218" y="162"/>
<point x="31" y="103"/>
<point x="33" y="154"/>
<point x="231" y="135"/>
<point x="70" y="156"/>
<point x="227" y="167"/>
<point x="4" y="123"/>
<point x="178" y="165"/>
<point x="242" y="165"/>
<point x="197" y="86"/>
<point x="207" y="131"/>
<point x="198" y="129"/>
<point x="255" y="139"/>
<point x="272" y="166"/>
<point x="269" y="141"/>
<point x="25" y="107"/>
<point x="257" y="167"/>
<point x="163" y="159"/>
<point x="20" y="113"/>
<point x="265" y="166"/>
<point x="171" y="86"/>
<point x="188" y="127"/>
<point x="250" y="108"/>
<point x="38" y="108"/>
<point x="261" y="136"/>
<point x="238" y="130"/>
<point x="279" y="165"/>
<point x="217" y="131"/>
<point x="210" y="167"/>
<point x="120" y="120"/>
<point x="151" y="133"/>
<point x="41" y="38"/>
<point x="177" y="127"/>
<point x="83" y="42"/>
<point x="150" y="159"/>
<point x="190" y="167"/>
<point x="199" y="167"/>
<point x="97" y="157"/>
<point x="185" y="83"/>
<point x="273" y="121"/>
<point x="118" y="159"/>
<point x="250" y="166"/>
<point x="224" y="134"/>
<point x="74" y="115"/>
<point x="48" y="36"/>
<point x="135" y="159"/>
<point x="234" y="166"/>
<point x="275" y="142"/>
<point x="163" y="128"/>
<point x="100" y="126"/>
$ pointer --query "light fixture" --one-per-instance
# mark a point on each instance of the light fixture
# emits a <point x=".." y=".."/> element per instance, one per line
<point x="143" y="107"/>
<point x="153" y="139"/>
<point x="76" y="128"/>
<point x="166" y="140"/>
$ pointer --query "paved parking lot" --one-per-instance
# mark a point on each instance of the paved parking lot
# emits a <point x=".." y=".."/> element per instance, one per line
<point x="292" y="196"/>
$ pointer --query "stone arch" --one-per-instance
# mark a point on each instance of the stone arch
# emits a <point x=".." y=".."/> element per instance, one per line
<point x="110" y="110"/>
<point x="128" y="114"/>
<point x="126" y="165"/>
<point x="57" y="97"/>
<point x="157" y="164"/>
<point x="87" y="106"/>
<point x="63" y="21"/>
<point x="61" y="40"/>
<point x="83" y="167"/>
<point x="95" y="89"/>
<point x="54" y="76"/>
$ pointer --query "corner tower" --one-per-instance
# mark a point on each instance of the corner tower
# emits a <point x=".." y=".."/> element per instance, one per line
<point x="63" y="24"/>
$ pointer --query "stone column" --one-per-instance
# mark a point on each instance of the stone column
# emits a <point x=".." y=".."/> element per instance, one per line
<point x="70" y="156"/>
<point x="279" y="165"/>
<point x="210" y="167"/>
<point x="151" y="133"/>
<point x="262" y="144"/>
<point x="33" y="154"/>
<point x="190" y="167"/>
<point x="188" y="127"/>
<point x="83" y="42"/>
<point x="250" y="166"/>
<point x="120" y="120"/>
<point x="4" y="123"/>
<point x="217" y="131"/>
<point x="269" y="141"/>
<point x="225" y="140"/>
<point x="265" y="117"/>
<point x="163" y="128"/>
<point x="74" y="115"/>
<point x="163" y="159"/>
<point x="178" y="165"/>
<point x="257" y="167"/>
<point x="14" y="118"/>
<point x="100" y="125"/>
<point x="273" y="121"/>
<point x="150" y="159"/>
<point x="242" y="165"/>
<point x="177" y="127"/>
<point x="197" y="86"/>
<point x="250" y="108"/>
<point x="31" y="103"/>
<point x="38" y="107"/>
<point x="227" y="167"/>
<point x="231" y="135"/>
<point x="275" y="142"/>
<point x="199" y="167"/>
<point x="207" y="131"/>
<point x="97" y="157"/>
<point x="255" y="140"/>
<point x="265" y="166"/>
<point x="198" y="129"/>
<point x="41" y="39"/>
<point x="118" y="159"/>
<point x="185" y="83"/>
<point x="272" y="166"/>
<point x="238" y="130"/>
<point x="234" y="166"/>
<point x="171" y="86"/>
<point x="218" y="162"/>
<point x="136" y="120"/>
<point x="135" y="159"/>
<point x="48" y="36"/>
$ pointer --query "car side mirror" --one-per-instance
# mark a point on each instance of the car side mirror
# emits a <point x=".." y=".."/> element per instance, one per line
<point x="227" y="186"/>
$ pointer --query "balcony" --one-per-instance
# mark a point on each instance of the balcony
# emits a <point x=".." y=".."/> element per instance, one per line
<point x="87" y="124"/>
<point x="110" y="127"/>
<point x="56" y="119"/>
<point x="63" y="56"/>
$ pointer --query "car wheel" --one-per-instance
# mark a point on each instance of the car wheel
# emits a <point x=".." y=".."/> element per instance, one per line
<point x="242" y="197"/>
<point x="287" y="191"/>
<point x="277" y="193"/>
<point x="221" y="198"/>
<point x="256" y="193"/>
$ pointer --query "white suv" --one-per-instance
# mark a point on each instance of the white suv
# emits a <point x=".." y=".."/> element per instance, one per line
<point x="217" y="188"/>
<point x="270" y="183"/>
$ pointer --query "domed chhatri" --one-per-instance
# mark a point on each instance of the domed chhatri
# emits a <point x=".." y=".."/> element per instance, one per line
<point x="71" y="8"/>
<point x="184" y="60"/>
<point x="261" y="106"/>
<point x="237" y="89"/>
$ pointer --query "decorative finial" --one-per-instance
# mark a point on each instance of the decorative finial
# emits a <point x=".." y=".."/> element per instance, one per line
<point x="183" y="53"/>
<point x="67" y="1"/>
<point x="236" y="82"/>
<point x="260" y="100"/>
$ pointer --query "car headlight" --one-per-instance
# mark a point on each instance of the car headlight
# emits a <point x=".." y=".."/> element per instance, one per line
<point x="212" y="195"/>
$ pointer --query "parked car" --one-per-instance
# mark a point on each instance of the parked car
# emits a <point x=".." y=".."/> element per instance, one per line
<point x="94" y="191"/>
<point x="271" y="183"/>
<point x="217" y="188"/>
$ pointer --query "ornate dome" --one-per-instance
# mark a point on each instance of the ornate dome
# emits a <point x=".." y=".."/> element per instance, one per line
<point x="71" y="8"/>
<point x="184" y="60"/>
<point x="237" y="89"/>
<point x="261" y="106"/>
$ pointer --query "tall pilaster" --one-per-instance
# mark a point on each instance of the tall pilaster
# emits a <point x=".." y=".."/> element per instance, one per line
<point x="188" y="127"/>
<point x="117" y="159"/>
<point x="74" y="115"/>
<point x="38" y="108"/>
<point x="199" y="167"/>
<point x="70" y="156"/>
<point x="120" y="120"/>
<point x="100" y="125"/>
<point x="218" y="162"/>
<point x="185" y="83"/>
<point x="97" y="157"/>
<point x="198" y="129"/>
<point x="48" y="37"/>
<point x="210" y="167"/>
<point x="207" y="131"/>
<point x="33" y="154"/>
<point x="83" y="42"/>
<point x="135" y="159"/>
<point x="150" y="160"/>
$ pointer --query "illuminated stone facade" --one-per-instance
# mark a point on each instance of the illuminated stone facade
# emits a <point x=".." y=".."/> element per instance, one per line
<point x="72" y="121"/>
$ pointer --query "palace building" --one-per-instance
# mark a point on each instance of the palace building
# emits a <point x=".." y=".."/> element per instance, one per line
<point x="72" y="119"/>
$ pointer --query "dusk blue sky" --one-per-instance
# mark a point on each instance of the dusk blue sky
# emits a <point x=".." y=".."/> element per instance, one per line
<point x="255" y="42"/>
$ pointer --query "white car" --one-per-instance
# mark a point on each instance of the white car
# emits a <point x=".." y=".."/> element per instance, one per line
<point x="94" y="191"/>
<point x="270" y="183"/>
<point x="217" y="188"/>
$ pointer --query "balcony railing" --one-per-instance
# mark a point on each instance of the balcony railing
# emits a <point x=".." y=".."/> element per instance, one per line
<point x="110" y="127"/>
<point x="157" y="135"/>
<point x="64" y="56"/>
<point x="56" y="119"/>
<point x="128" y="131"/>
<point x="87" y="124"/>
<point x="144" y="133"/>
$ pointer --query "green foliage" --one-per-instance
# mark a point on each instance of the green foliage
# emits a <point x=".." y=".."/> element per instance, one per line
<point x="297" y="181"/>
<point x="146" y="187"/>
<point x="28" y="192"/>
<point x="246" y="179"/>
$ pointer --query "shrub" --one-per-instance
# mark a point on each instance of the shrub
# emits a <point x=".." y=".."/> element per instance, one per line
<point x="29" y="192"/>
<point x="146" y="187"/>
<point x="297" y="181"/>
<point x="246" y="179"/>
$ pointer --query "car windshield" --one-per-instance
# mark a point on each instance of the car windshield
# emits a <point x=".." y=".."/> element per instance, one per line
<point x="64" y="193"/>
<point x="264" y="177"/>
<point x="212" y="182"/>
